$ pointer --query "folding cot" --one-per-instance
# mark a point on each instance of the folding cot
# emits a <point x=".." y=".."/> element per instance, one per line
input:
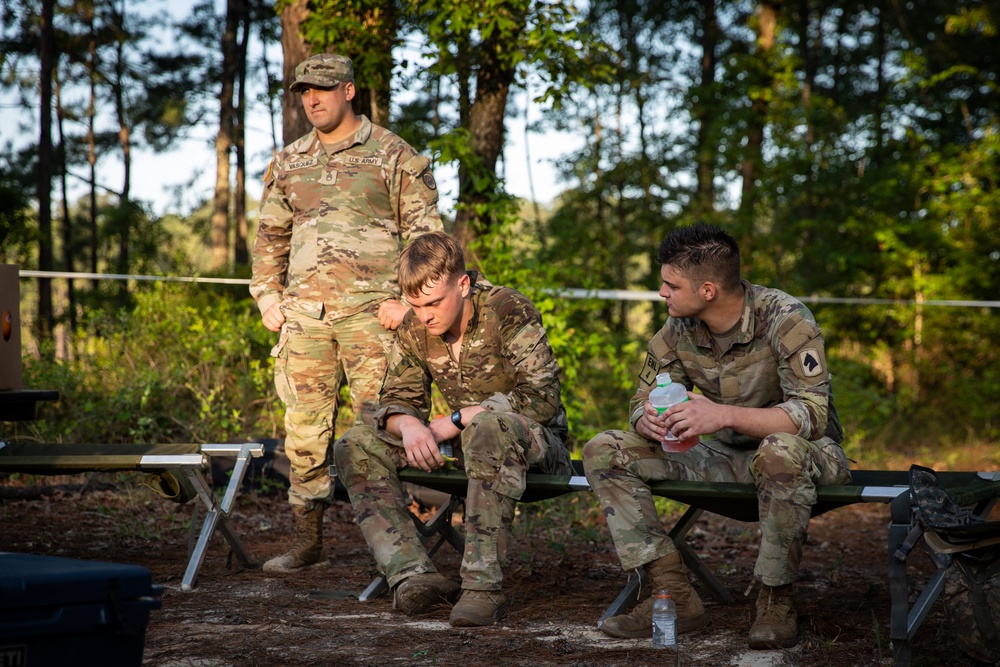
<point x="739" y="502"/>
<point x="177" y="469"/>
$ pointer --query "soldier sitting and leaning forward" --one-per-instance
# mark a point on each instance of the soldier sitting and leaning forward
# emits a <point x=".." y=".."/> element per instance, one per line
<point x="487" y="351"/>
<point x="765" y="413"/>
<point x="337" y="206"/>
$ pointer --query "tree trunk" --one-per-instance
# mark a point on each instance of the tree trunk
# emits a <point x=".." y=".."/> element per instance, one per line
<point x="241" y="256"/>
<point x="760" y="80"/>
<point x="47" y="50"/>
<point x="294" y="48"/>
<point x="92" y="139"/>
<point x="224" y="140"/>
<point x="374" y="83"/>
<point x="272" y="112"/>
<point x="67" y="222"/>
<point x="807" y="210"/>
<point x="880" y="83"/>
<point x="477" y="179"/>
<point x="125" y="142"/>
<point x="486" y="127"/>
<point x="703" y="113"/>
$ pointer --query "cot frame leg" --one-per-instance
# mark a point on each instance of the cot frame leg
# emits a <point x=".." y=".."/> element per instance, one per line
<point x="691" y="560"/>
<point x="439" y="527"/>
<point x="904" y="620"/>
<point x="217" y="515"/>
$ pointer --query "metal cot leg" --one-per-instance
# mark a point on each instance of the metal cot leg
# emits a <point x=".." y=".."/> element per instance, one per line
<point x="217" y="516"/>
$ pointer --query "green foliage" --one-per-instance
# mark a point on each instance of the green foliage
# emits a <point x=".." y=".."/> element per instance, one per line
<point x="879" y="145"/>
<point x="863" y="404"/>
<point x="16" y="189"/>
<point x="181" y="365"/>
<point x="854" y="194"/>
<point x="596" y="365"/>
<point x="363" y="30"/>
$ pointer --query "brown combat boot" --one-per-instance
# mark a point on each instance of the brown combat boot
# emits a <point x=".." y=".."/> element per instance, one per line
<point x="777" y="623"/>
<point x="665" y="573"/>
<point x="307" y="549"/>
<point x="477" y="608"/>
<point x="419" y="593"/>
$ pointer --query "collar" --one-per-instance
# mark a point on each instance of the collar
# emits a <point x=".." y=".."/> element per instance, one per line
<point x="703" y="337"/>
<point x="478" y="284"/>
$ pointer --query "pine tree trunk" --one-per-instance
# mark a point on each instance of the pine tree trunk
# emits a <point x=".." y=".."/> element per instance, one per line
<point x="703" y="113"/>
<point x="241" y="255"/>
<point x="294" y="123"/>
<point x="224" y="141"/>
<point x="125" y="142"/>
<point x="477" y="182"/>
<point x="92" y="140"/>
<point x="47" y="50"/>
<point x="67" y="222"/>
<point x="760" y="78"/>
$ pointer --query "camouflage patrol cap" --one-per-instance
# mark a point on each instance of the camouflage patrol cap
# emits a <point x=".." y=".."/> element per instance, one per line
<point x="323" y="70"/>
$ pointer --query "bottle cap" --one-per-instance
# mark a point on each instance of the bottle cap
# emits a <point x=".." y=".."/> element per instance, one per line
<point x="663" y="379"/>
<point x="663" y="594"/>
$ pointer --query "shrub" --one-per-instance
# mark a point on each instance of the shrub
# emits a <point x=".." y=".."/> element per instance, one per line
<point x="179" y="365"/>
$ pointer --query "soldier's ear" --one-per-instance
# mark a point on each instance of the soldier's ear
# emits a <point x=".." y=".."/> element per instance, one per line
<point x="708" y="290"/>
<point x="465" y="284"/>
<point x="349" y="91"/>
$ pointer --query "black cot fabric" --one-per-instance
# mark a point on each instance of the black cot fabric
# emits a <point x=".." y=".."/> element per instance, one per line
<point x="55" y="459"/>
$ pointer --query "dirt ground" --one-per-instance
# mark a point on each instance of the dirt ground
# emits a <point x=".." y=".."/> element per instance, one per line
<point x="562" y="573"/>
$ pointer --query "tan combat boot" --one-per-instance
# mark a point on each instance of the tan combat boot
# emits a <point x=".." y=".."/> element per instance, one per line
<point x="419" y="593"/>
<point x="666" y="573"/>
<point x="777" y="623"/>
<point x="478" y="608"/>
<point x="307" y="549"/>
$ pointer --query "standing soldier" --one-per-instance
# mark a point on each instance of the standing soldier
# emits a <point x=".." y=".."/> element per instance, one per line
<point x="757" y="357"/>
<point x="337" y="206"/>
<point x="487" y="351"/>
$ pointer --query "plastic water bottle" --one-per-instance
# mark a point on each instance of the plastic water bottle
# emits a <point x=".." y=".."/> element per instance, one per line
<point x="664" y="622"/>
<point x="666" y="393"/>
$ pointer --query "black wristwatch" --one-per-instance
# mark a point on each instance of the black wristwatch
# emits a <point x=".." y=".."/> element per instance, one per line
<point x="456" y="419"/>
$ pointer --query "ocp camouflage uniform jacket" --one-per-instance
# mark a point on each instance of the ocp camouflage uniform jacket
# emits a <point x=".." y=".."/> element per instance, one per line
<point x="778" y="359"/>
<point x="506" y="365"/>
<point x="332" y="224"/>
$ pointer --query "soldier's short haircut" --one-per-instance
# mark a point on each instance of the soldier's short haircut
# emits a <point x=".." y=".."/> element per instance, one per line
<point x="429" y="258"/>
<point x="704" y="253"/>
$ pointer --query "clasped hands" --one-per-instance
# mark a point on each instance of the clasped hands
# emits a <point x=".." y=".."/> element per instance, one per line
<point x="694" y="417"/>
<point x="421" y="440"/>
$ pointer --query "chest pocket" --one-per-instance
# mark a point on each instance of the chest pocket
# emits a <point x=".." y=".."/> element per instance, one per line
<point x="362" y="188"/>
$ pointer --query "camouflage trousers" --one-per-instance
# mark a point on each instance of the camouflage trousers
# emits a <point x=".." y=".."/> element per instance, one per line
<point x="496" y="449"/>
<point x="312" y="357"/>
<point x="786" y="470"/>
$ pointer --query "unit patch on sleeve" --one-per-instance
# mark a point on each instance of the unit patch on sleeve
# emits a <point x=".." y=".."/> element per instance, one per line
<point x="811" y="362"/>
<point x="428" y="179"/>
<point x="649" y="369"/>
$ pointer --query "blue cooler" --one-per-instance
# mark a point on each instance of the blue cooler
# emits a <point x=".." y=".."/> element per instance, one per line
<point x="60" y="611"/>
